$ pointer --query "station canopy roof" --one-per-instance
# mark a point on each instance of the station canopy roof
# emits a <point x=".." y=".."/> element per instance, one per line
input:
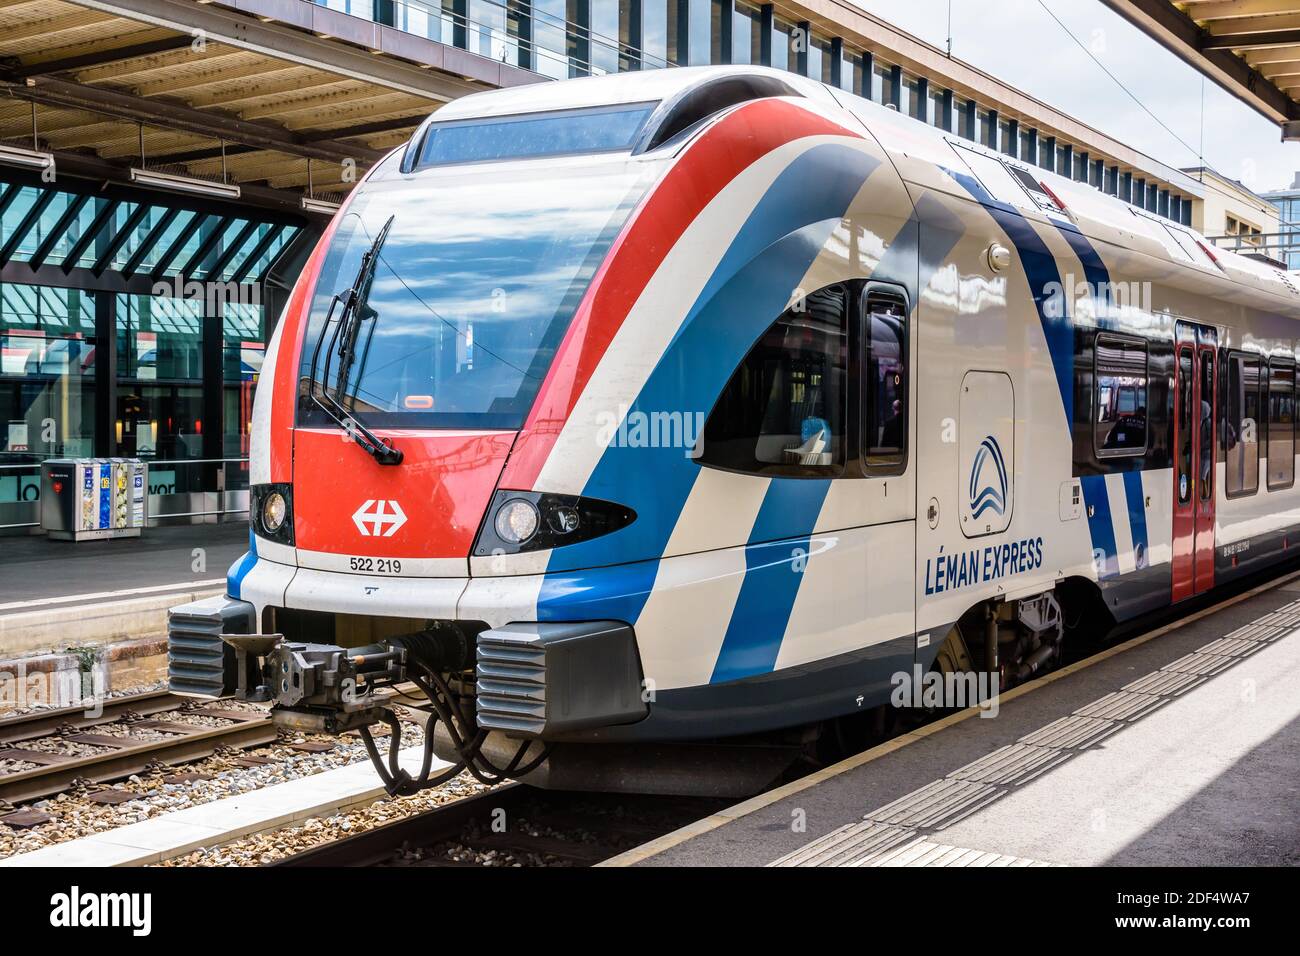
<point x="268" y="94"/>
<point x="1249" y="47"/>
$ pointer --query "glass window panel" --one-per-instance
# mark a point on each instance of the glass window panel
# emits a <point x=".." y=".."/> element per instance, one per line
<point x="282" y="238"/>
<point x="654" y="27"/>
<point x="550" y="38"/>
<point x="17" y="212"/>
<point x="245" y="250"/>
<point x="229" y="235"/>
<point x="601" y="129"/>
<point x="853" y="78"/>
<point x="486" y="31"/>
<point x="783" y="410"/>
<point x="745" y="34"/>
<point x="1120" y="396"/>
<point x="825" y="62"/>
<point x="1185" y="419"/>
<point x="41" y="228"/>
<point x="699" y="19"/>
<point x="467" y="344"/>
<point x="47" y="382"/>
<point x="160" y="368"/>
<point x="882" y="86"/>
<point x="243" y="346"/>
<point x="1241" y="432"/>
<point x="169" y="236"/>
<point x="1281" y="423"/>
<point x="884" y="440"/>
<point x="936" y="108"/>
<point x="914" y="103"/>
<point x="782" y="56"/>
<point x="138" y="235"/>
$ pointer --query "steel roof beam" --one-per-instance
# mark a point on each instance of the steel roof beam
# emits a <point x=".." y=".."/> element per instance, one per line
<point x="1181" y="35"/>
<point x="393" y="125"/>
<point x="396" y="66"/>
<point x="97" y="226"/>
<point x="105" y="57"/>
<point x="231" y="250"/>
<point x="178" y="245"/>
<point x="65" y="222"/>
<point x="154" y="112"/>
<point x="28" y="223"/>
<point x="146" y="246"/>
<point x="1252" y="41"/>
<point x="255" y="256"/>
<point x="280" y="203"/>
<point x="206" y="247"/>
<point x="119" y="238"/>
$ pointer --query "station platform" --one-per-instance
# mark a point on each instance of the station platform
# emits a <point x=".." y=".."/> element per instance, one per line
<point x="63" y="593"/>
<point x="1180" y="747"/>
<point x="36" y="569"/>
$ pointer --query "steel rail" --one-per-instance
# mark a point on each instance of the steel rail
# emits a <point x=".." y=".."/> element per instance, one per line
<point x="114" y="764"/>
<point x="42" y="723"/>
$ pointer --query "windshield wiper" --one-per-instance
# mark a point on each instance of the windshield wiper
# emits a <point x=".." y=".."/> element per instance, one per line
<point x="355" y="310"/>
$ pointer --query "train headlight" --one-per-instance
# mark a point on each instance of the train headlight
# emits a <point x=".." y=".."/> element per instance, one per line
<point x="517" y="521"/>
<point x="270" y="511"/>
<point x="520" y="521"/>
<point x="274" y="510"/>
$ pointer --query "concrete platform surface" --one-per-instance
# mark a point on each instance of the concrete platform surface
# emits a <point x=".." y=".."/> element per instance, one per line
<point x="183" y="831"/>
<point x="1176" y="749"/>
<point x="36" y="570"/>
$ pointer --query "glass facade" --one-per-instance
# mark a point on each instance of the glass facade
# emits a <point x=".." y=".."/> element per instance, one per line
<point x="1288" y="214"/>
<point x="138" y="334"/>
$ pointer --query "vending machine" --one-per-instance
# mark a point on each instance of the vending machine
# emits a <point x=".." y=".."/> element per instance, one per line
<point x="88" y="499"/>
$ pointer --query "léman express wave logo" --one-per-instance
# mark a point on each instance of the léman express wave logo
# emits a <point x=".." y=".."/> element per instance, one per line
<point x="988" y="479"/>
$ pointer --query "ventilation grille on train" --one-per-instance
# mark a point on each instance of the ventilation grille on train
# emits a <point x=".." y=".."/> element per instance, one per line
<point x="511" y="682"/>
<point x="548" y="679"/>
<point x="199" y="662"/>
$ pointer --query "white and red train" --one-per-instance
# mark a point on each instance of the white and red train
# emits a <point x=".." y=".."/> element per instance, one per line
<point x="633" y="417"/>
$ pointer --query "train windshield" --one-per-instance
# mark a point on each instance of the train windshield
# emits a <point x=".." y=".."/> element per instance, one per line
<point x="473" y="288"/>
<point x="530" y="135"/>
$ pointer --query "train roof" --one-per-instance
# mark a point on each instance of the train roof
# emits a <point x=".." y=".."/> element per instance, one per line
<point x="925" y="156"/>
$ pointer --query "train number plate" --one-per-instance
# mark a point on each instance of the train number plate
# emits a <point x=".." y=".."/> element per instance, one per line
<point x="375" y="565"/>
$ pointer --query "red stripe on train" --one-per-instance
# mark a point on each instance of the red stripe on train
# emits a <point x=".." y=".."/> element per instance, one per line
<point x="708" y="165"/>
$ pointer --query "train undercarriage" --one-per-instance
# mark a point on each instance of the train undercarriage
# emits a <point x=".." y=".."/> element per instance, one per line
<point x="538" y="701"/>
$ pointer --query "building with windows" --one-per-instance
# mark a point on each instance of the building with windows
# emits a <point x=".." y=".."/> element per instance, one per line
<point x="1233" y="216"/>
<point x="200" y="148"/>
<point x="1287" y="203"/>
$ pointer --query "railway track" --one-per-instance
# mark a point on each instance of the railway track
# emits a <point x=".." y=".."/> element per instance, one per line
<point x="46" y="770"/>
<point x="513" y="825"/>
<point x="42" y="723"/>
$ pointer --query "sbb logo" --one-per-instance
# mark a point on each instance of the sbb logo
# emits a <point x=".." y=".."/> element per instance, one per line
<point x="379" y="518"/>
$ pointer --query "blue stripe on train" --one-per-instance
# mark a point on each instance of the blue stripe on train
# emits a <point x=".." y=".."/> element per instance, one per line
<point x="1100" y="525"/>
<point x="1042" y="274"/>
<point x="1137" y="516"/>
<point x="773" y="572"/>
<point x="239" y="570"/>
<point x="768" y="259"/>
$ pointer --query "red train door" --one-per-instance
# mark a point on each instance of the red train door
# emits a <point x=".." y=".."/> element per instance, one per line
<point x="1195" y="401"/>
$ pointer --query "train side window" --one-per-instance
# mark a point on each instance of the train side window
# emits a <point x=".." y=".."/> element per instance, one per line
<point x="1241" y="425"/>
<point x="884" y="383"/>
<point x="783" y="411"/>
<point x="1119" y="396"/>
<point x="1281" y="423"/>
